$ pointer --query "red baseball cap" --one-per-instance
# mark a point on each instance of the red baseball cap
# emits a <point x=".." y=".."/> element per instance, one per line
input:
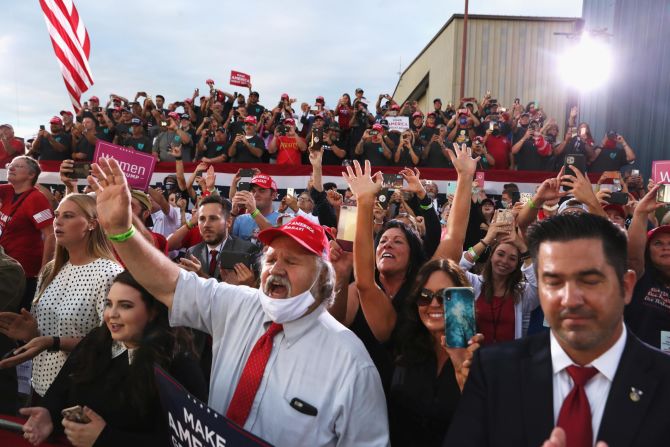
<point x="264" y="181"/>
<point x="320" y="99"/>
<point x="290" y="121"/>
<point x="56" y="120"/>
<point x="284" y="95"/>
<point x="250" y="120"/>
<point x="617" y="208"/>
<point x="65" y="112"/>
<point x="395" y="107"/>
<point x="309" y="235"/>
<point x="377" y="126"/>
<point x="94" y="98"/>
<point x="415" y="114"/>
<point x="663" y="229"/>
<point x="173" y="115"/>
<point x="431" y="114"/>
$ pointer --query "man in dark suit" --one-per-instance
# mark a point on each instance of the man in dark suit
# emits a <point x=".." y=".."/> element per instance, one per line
<point x="589" y="379"/>
<point x="218" y="244"/>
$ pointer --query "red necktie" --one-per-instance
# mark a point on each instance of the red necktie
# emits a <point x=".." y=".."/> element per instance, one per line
<point x="252" y="374"/>
<point x="212" y="262"/>
<point x="575" y="414"/>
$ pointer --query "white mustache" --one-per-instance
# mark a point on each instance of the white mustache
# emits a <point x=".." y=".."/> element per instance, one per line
<point x="281" y="280"/>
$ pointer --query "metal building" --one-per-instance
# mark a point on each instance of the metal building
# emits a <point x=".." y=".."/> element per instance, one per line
<point x="510" y="56"/>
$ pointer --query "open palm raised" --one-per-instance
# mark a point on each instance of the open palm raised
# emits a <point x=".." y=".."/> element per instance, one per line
<point x="112" y="196"/>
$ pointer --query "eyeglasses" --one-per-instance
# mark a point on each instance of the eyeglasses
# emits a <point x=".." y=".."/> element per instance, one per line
<point x="426" y="297"/>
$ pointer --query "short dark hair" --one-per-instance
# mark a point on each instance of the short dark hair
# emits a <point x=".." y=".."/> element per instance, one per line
<point x="569" y="227"/>
<point x="329" y="185"/>
<point x="161" y="97"/>
<point x="225" y="203"/>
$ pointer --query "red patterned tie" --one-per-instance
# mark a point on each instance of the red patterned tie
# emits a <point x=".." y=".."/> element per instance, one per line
<point x="575" y="414"/>
<point x="212" y="262"/>
<point x="252" y="374"/>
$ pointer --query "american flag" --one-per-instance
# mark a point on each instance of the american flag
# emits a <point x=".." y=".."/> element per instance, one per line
<point x="71" y="45"/>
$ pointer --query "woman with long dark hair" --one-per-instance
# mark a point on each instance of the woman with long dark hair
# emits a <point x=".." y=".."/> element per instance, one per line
<point x="428" y="377"/>
<point x="111" y="375"/>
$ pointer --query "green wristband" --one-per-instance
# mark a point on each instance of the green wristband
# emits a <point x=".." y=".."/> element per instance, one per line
<point x="123" y="236"/>
<point x="426" y="207"/>
<point x="255" y="213"/>
<point x="531" y="204"/>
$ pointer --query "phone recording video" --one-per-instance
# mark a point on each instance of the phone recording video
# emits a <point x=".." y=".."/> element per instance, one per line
<point x="459" y="316"/>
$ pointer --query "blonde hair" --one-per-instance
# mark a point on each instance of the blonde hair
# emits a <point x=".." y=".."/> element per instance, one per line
<point x="97" y="245"/>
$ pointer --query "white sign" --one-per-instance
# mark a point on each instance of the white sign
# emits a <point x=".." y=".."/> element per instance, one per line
<point x="398" y="123"/>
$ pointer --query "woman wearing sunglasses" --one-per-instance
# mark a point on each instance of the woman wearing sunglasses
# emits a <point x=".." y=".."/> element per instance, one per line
<point x="428" y="377"/>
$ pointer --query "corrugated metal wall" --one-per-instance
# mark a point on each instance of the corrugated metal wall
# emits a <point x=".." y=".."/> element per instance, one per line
<point x="639" y="95"/>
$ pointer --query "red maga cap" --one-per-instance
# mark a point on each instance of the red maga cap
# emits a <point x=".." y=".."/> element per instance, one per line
<point x="377" y="126"/>
<point x="250" y="119"/>
<point x="94" y="98"/>
<point x="290" y="121"/>
<point x="663" y="229"/>
<point x="309" y="235"/>
<point x="284" y="96"/>
<point x="264" y="181"/>
<point x="56" y="120"/>
<point x="395" y="107"/>
<point x="415" y="114"/>
<point x="65" y="112"/>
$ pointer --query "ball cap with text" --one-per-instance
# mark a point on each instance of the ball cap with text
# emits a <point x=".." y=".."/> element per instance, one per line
<point x="264" y="181"/>
<point x="311" y="236"/>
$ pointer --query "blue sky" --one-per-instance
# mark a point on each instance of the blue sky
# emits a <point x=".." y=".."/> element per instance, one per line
<point x="170" y="47"/>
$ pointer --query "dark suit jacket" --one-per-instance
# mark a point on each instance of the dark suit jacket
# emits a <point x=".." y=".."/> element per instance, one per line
<point x="234" y="244"/>
<point x="508" y="400"/>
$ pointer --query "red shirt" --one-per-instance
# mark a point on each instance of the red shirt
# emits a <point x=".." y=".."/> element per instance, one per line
<point x="21" y="223"/>
<point x="343" y="116"/>
<point x="500" y="148"/>
<point x="288" y="152"/>
<point x="495" y="319"/>
<point x="19" y="149"/>
<point x="193" y="237"/>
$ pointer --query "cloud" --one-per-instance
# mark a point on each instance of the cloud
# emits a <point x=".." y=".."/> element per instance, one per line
<point x="170" y="47"/>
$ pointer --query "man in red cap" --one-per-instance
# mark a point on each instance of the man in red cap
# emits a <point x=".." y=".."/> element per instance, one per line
<point x="282" y="367"/>
<point x="287" y="144"/>
<point x="68" y="120"/>
<point x="257" y="203"/>
<point x="247" y="147"/>
<point x="373" y="147"/>
<point x="616" y="214"/>
<point x="56" y="145"/>
<point x="10" y="146"/>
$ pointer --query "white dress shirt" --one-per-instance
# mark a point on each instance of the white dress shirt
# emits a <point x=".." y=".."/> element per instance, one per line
<point x="597" y="389"/>
<point x="314" y="359"/>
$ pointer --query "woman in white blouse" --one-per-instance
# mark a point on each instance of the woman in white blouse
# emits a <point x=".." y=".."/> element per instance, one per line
<point x="70" y="294"/>
<point x="506" y="291"/>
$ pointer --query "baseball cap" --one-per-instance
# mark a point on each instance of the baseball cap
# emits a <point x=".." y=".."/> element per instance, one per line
<point x="319" y="116"/>
<point x="284" y="96"/>
<point x="118" y="109"/>
<point x="290" y="121"/>
<point x="415" y="114"/>
<point x="65" y="112"/>
<point x="309" y="235"/>
<point x="173" y="115"/>
<point x="127" y="110"/>
<point x="384" y="122"/>
<point x="94" y="98"/>
<point x="377" y="126"/>
<point x="264" y="181"/>
<point x="430" y="114"/>
<point x="185" y="116"/>
<point x="395" y="107"/>
<point x="135" y="121"/>
<point x="56" y="120"/>
<point x="7" y="125"/>
<point x="250" y="120"/>
<point x="320" y="99"/>
<point x="189" y="100"/>
<point x="487" y="200"/>
<point x="220" y="129"/>
<point x="142" y="197"/>
<point x="359" y="90"/>
<point x="524" y="114"/>
<point x="572" y="204"/>
<point x="616" y="208"/>
<point x="663" y="229"/>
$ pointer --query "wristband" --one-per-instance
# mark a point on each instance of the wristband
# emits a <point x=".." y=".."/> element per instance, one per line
<point x="177" y="158"/>
<point x="426" y="207"/>
<point x="481" y="241"/>
<point x="473" y="253"/>
<point x="123" y="236"/>
<point x="206" y="194"/>
<point x="378" y="223"/>
<point x="531" y="204"/>
<point x="524" y="255"/>
<point x="55" y="347"/>
<point x="255" y="213"/>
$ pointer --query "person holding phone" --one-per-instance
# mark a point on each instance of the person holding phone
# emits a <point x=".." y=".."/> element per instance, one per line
<point x="428" y="377"/>
<point x="579" y="142"/>
<point x="70" y="295"/>
<point x="110" y="375"/>
<point x="53" y="145"/>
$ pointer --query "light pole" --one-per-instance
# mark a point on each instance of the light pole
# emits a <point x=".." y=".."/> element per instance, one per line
<point x="464" y="50"/>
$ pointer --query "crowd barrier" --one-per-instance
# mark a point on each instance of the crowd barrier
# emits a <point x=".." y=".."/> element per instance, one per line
<point x="296" y="176"/>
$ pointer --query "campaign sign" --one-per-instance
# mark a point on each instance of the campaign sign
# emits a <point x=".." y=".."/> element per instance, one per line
<point x="137" y="167"/>
<point x="239" y="79"/>
<point x="479" y="178"/>
<point x="192" y="423"/>
<point x="398" y="123"/>
<point x="660" y="171"/>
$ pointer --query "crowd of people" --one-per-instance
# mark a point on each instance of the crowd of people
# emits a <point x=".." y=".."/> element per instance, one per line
<point x="321" y="316"/>
<point x="223" y="127"/>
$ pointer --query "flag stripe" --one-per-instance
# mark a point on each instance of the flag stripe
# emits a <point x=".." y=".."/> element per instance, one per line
<point x="71" y="44"/>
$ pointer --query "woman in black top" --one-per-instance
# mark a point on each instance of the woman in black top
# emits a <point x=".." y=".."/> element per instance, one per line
<point x="111" y="375"/>
<point x="428" y="377"/>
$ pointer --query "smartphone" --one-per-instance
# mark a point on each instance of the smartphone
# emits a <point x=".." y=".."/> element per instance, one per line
<point x="246" y="173"/>
<point x="451" y="188"/>
<point x="504" y="216"/>
<point x="491" y="126"/>
<point x="317" y="139"/>
<point x="346" y="227"/>
<point x="479" y="178"/>
<point x="525" y="197"/>
<point x="635" y="172"/>
<point x="228" y="259"/>
<point x="516" y="196"/>
<point x="244" y="186"/>
<point x="75" y="414"/>
<point x="611" y="174"/>
<point x="663" y="193"/>
<point x="459" y="316"/>
<point x="393" y="181"/>
<point x="384" y="197"/>
<point x="81" y="169"/>
<point x="290" y="192"/>
<point x="618" y="198"/>
<point x="576" y="160"/>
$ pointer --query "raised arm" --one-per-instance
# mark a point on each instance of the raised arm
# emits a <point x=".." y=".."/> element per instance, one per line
<point x="637" y="231"/>
<point x="376" y="306"/>
<point x="115" y="216"/>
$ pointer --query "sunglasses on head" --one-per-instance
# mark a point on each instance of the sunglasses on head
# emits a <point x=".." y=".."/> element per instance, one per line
<point x="426" y="297"/>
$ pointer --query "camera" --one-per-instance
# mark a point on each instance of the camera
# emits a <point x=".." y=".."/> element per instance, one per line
<point x="282" y="129"/>
<point x="463" y="121"/>
<point x="374" y="133"/>
<point x="611" y="135"/>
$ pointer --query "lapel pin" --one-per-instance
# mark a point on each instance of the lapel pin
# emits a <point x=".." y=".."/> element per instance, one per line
<point x="635" y="394"/>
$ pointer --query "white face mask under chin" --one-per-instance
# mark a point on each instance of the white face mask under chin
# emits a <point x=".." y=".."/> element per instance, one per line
<point x="283" y="310"/>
